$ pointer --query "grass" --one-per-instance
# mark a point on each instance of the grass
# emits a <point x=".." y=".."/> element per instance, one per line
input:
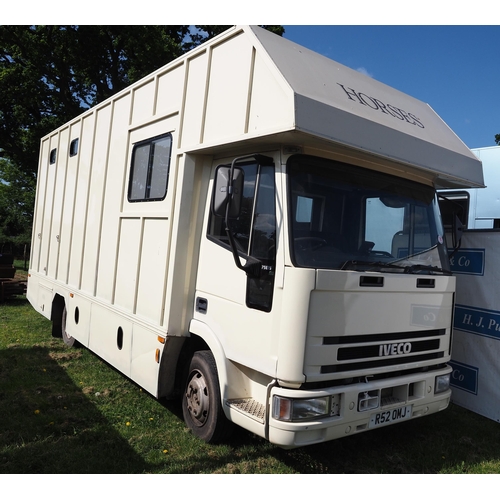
<point x="65" y="411"/>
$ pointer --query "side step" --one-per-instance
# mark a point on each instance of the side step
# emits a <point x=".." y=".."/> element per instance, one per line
<point x="249" y="407"/>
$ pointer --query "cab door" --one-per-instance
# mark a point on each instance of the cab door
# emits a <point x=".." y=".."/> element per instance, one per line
<point x="240" y="306"/>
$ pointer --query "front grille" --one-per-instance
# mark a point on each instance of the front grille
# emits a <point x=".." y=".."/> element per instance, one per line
<point x="384" y="349"/>
<point x="380" y="363"/>
<point x="382" y="337"/>
<point x="373" y="351"/>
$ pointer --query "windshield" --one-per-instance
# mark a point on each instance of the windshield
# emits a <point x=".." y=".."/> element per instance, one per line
<point x="346" y="217"/>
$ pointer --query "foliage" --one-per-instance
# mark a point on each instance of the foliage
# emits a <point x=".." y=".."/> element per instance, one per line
<point x="50" y="74"/>
<point x="497" y="139"/>
<point x="17" y="192"/>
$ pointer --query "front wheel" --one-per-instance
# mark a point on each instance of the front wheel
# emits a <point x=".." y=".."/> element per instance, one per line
<point x="201" y="400"/>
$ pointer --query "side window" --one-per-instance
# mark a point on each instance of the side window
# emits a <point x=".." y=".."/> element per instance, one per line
<point x="73" y="147"/>
<point x="241" y="225"/>
<point x="53" y="156"/>
<point x="149" y="169"/>
<point x="254" y="231"/>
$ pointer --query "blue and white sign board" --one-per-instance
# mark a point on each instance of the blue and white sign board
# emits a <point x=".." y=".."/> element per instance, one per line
<point x="476" y="332"/>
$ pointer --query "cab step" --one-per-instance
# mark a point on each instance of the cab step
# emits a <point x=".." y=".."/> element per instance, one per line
<point x="250" y="407"/>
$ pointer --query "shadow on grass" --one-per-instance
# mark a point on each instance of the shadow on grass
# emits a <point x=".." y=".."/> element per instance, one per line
<point x="48" y="426"/>
<point x="454" y="441"/>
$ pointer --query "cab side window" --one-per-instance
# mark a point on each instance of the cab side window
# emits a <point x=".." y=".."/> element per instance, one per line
<point x="254" y="231"/>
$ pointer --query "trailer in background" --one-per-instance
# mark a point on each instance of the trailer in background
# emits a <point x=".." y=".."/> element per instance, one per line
<point x="476" y="264"/>
<point x="10" y="286"/>
<point x="476" y="208"/>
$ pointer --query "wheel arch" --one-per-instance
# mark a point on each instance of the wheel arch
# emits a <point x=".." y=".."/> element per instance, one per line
<point x="177" y="354"/>
<point x="203" y="335"/>
<point x="58" y="305"/>
<point x="201" y="338"/>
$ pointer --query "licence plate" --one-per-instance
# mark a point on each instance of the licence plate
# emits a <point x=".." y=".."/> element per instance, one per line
<point x="390" y="416"/>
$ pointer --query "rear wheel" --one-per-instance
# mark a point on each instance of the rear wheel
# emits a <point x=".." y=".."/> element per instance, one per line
<point x="68" y="339"/>
<point x="201" y="400"/>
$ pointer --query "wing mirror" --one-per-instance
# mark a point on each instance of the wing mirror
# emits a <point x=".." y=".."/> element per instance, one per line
<point x="228" y="191"/>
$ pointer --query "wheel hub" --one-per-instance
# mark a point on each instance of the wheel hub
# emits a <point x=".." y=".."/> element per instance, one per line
<point x="198" y="402"/>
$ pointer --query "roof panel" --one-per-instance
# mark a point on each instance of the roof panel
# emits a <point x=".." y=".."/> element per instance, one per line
<point x="342" y="105"/>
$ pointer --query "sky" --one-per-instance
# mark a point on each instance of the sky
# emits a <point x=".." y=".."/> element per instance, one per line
<point x="453" y="68"/>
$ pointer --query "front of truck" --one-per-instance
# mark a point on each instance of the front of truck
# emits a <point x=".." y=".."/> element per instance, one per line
<point x="353" y="288"/>
<point x="367" y="305"/>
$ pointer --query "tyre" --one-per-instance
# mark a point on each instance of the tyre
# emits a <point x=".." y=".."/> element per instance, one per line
<point x="68" y="339"/>
<point x="201" y="400"/>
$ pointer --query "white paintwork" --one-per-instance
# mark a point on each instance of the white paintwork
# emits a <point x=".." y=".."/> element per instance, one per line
<point x="138" y="268"/>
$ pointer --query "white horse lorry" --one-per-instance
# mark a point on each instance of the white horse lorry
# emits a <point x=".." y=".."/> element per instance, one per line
<point x="254" y="228"/>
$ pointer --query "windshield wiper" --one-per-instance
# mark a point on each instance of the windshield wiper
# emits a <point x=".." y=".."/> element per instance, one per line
<point x="407" y="269"/>
<point x="415" y="268"/>
<point x="356" y="264"/>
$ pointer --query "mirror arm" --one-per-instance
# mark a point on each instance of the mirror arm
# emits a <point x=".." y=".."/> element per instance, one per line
<point x="252" y="267"/>
<point x="457" y="232"/>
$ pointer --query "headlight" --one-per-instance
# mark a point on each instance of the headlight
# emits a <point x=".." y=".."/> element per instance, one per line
<point x="290" y="410"/>
<point x="442" y="383"/>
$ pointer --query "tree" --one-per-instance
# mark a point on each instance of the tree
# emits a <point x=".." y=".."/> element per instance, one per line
<point x="17" y="192"/>
<point x="497" y="139"/>
<point x="50" y="74"/>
